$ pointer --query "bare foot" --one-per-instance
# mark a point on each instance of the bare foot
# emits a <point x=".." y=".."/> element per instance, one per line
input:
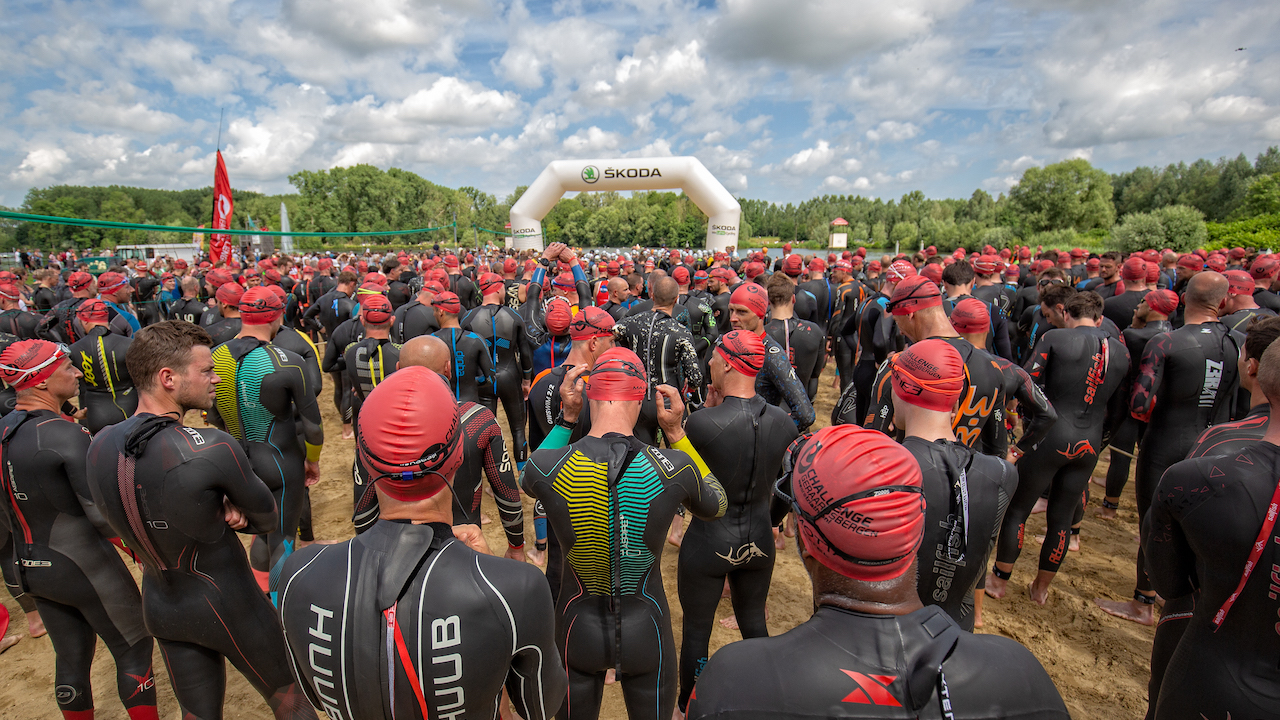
<point x="610" y="676"/>
<point x="996" y="587"/>
<point x="677" y="715"/>
<point x="731" y="622"/>
<point x="1105" y="513"/>
<point x="1099" y="481"/>
<point x="484" y="520"/>
<point x="676" y="536"/>
<point x="537" y="557"/>
<point x="725" y="593"/>
<point x="8" y="642"/>
<point x="35" y="626"/>
<point x="977" y="609"/>
<point x="1073" y="545"/>
<point x="779" y="540"/>
<point x="789" y="526"/>
<point x="1041" y="506"/>
<point x="348" y="431"/>
<point x="1138" y="612"/>
<point x="1038" y="596"/>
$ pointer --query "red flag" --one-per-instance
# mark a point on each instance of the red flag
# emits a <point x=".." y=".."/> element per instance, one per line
<point x="220" y="243"/>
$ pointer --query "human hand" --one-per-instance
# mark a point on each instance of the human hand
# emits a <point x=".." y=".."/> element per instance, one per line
<point x="713" y="397"/>
<point x="554" y="250"/>
<point x="472" y="537"/>
<point x="572" y="391"/>
<point x="515" y="553"/>
<point x="524" y="388"/>
<point x="233" y="515"/>
<point x="671" y="420"/>
<point x="312" y="470"/>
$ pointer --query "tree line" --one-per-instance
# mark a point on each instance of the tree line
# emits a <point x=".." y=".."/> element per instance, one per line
<point x="1230" y="201"/>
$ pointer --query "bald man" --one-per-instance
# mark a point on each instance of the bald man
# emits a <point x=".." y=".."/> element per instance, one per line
<point x="620" y="298"/>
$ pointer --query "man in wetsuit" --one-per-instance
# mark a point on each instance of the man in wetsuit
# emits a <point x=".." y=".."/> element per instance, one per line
<point x="189" y="308"/>
<point x="777" y="381"/>
<point x="175" y="495"/>
<point x="916" y="307"/>
<point x="59" y="553"/>
<point x="1119" y="308"/>
<point x="551" y="343"/>
<point x="114" y="290"/>
<point x="460" y="284"/>
<point x="1081" y="369"/>
<point x="228" y="296"/>
<point x="611" y="611"/>
<point x="1210" y="528"/>
<point x="850" y="294"/>
<point x="472" y="623"/>
<point x="146" y="299"/>
<point x="742" y="439"/>
<point x="619" y="299"/>
<point x="371" y="359"/>
<point x="260" y="389"/>
<point x="60" y="323"/>
<point x="334" y="306"/>
<point x="873" y="335"/>
<point x="871" y="649"/>
<point x="106" y="391"/>
<point x="1150" y="318"/>
<point x="45" y="296"/>
<point x="1186" y="382"/>
<point x="416" y="317"/>
<point x="966" y="493"/>
<point x="804" y="342"/>
<point x="666" y="349"/>
<point x="958" y="281"/>
<point x="13" y="319"/>
<point x="471" y="367"/>
<point x="1241" y="309"/>
<point x="510" y="354"/>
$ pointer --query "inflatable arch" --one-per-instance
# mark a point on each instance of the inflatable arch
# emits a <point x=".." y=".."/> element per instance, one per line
<point x="667" y="173"/>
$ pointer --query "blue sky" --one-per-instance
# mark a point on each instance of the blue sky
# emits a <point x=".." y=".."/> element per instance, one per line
<point x="781" y="99"/>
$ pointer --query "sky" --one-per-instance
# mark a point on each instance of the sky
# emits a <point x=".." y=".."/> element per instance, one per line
<point x="782" y="100"/>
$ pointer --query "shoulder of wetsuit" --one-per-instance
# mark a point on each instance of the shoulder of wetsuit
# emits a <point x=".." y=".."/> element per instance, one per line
<point x="993" y="671"/>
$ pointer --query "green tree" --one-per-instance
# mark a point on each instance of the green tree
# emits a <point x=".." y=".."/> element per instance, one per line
<point x="1184" y="228"/>
<point x="1068" y="195"/>
<point x="1138" y="231"/>
<point x="1263" y="196"/>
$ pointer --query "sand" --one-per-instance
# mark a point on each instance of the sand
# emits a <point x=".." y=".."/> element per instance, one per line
<point x="1099" y="663"/>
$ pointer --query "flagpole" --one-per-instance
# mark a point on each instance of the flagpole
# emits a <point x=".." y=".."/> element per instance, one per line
<point x="213" y="210"/>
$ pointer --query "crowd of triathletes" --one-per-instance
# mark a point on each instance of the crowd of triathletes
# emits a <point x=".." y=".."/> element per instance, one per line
<point x="975" y="389"/>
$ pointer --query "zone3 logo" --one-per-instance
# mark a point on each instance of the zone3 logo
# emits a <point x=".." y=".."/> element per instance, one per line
<point x="871" y="689"/>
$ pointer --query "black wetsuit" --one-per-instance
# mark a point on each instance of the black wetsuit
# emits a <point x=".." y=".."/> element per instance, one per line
<point x="20" y="323"/>
<point x="1263" y="297"/>
<point x="1240" y="320"/>
<point x="1081" y="370"/>
<point x="849" y="298"/>
<point x="146" y="299"/>
<point x="966" y="494"/>
<point x="187" y="310"/>
<point x="743" y="441"/>
<point x="199" y="598"/>
<point x="1124" y="437"/>
<point x="296" y="342"/>
<point x="334" y="363"/>
<point x="511" y="356"/>
<point x="874" y="335"/>
<point x="61" y="324"/>
<point x="805" y="345"/>
<point x="1207" y="533"/>
<point x="842" y="663"/>
<point x="610" y="500"/>
<point x="466" y="290"/>
<point x="1186" y="382"/>
<point x="44" y="298"/>
<point x="106" y="390"/>
<point x="224" y="330"/>
<point x="367" y="363"/>
<point x="998" y="335"/>
<point x="60" y="557"/>
<point x="1119" y="308"/>
<point x="1037" y="413"/>
<point x="471" y="625"/>
<point x="471" y="368"/>
<point x="777" y="384"/>
<point x="666" y="347"/>
<point x="823" y="292"/>
<point x="331" y="310"/>
<point x="1032" y="325"/>
<point x="412" y="320"/>
<point x="979" y="418"/>
<point x="260" y="388"/>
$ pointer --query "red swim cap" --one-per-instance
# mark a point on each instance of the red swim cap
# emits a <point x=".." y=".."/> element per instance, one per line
<point x="1162" y="301"/>
<point x="900" y="270"/>
<point x="447" y="302"/>
<point x="10" y="290"/>
<point x="411" y="454"/>
<point x="110" y="282"/>
<point x="591" y="322"/>
<point x="1216" y="263"/>
<point x="279" y="291"/>
<point x="490" y="283"/>
<point x="754" y="270"/>
<point x="970" y="317"/>
<point x="985" y="264"/>
<point x="680" y="275"/>
<point x="1191" y="262"/>
<point x="929" y="374"/>
<point x="376" y="308"/>
<point x="743" y="350"/>
<point x="793" y="266"/>
<point x="565" y="281"/>
<point x="932" y="271"/>
<point x="509" y="265"/>
<point x="451" y="261"/>
<point x="28" y="363"/>
<point x="818" y="265"/>
<point x="1092" y="264"/>
<point x="433" y="286"/>
<point x="1153" y="273"/>
<point x="79" y="280"/>
<point x="272" y="276"/>
<point x="751" y="296"/>
<point x="218" y="278"/>
<point x="1264" y="267"/>
<point x="860" y="503"/>
<point x="618" y="375"/>
<point x="559" y="316"/>
<point x="258" y="306"/>
<point x="229" y="293"/>
<point x="612" y="268"/>
<point x="1134" y="270"/>
<point x="913" y="294"/>
<point x="1237" y="253"/>
<point x="1239" y="282"/>
<point x="325" y="264"/>
<point x="92" y="310"/>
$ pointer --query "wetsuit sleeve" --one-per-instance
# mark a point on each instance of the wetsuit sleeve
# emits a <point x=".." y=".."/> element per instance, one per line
<point x="880" y="410"/>
<point x="536" y="681"/>
<point x="1117" y="404"/>
<point x="1000" y="331"/>
<point x="227" y="468"/>
<point x="883" y="340"/>
<point x="1142" y="400"/>
<point x="690" y="365"/>
<point x="308" y="406"/>
<point x="585" y="297"/>
<point x="332" y="353"/>
<point x="1169" y="557"/>
<point x="73" y="450"/>
<point x="485" y="366"/>
<point x="793" y="392"/>
<point x="524" y="345"/>
<point x="1037" y="366"/>
<point x="497" y="469"/>
<point x="707" y="499"/>
<point x="1036" y="410"/>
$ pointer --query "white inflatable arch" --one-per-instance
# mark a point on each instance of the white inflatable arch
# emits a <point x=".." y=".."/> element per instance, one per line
<point x="667" y="173"/>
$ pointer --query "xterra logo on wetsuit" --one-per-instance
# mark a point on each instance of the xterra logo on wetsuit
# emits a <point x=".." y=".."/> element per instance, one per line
<point x="871" y="690"/>
<point x="1212" y="379"/>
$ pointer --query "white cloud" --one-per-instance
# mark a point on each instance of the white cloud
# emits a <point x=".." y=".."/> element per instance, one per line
<point x="592" y="140"/>
<point x="1019" y="165"/>
<point x="94" y="105"/>
<point x="810" y="160"/>
<point x="892" y="131"/>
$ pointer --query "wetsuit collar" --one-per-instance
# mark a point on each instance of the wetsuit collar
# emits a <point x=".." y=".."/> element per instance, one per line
<point x="394" y="551"/>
